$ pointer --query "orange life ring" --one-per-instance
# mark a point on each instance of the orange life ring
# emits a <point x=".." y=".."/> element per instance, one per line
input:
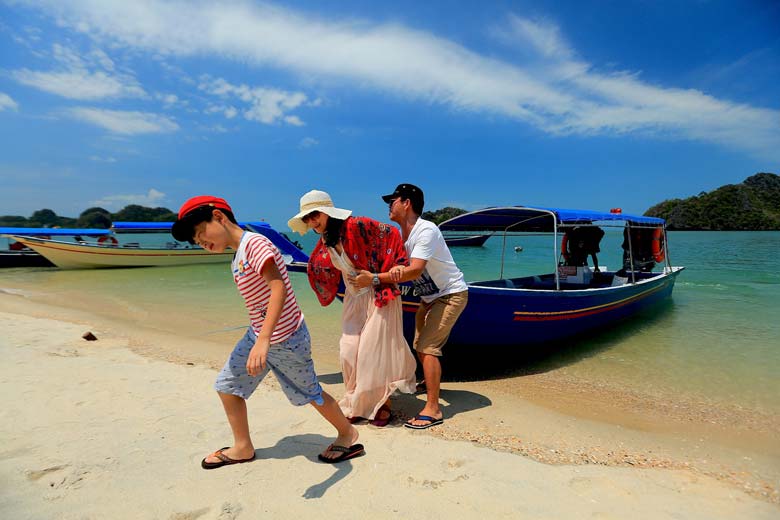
<point x="658" y="244"/>
<point x="565" y="247"/>
<point x="108" y="240"/>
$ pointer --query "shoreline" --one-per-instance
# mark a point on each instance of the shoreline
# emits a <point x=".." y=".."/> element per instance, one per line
<point x="542" y="417"/>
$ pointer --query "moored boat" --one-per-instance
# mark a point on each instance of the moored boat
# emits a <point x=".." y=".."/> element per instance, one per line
<point x="16" y="254"/>
<point x="571" y="298"/>
<point x="110" y="252"/>
<point x="467" y="241"/>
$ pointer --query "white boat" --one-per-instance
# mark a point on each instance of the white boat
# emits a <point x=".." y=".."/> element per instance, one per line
<point x="109" y="252"/>
<point x="71" y="255"/>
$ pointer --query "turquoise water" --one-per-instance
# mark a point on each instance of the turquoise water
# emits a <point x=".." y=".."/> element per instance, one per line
<point x="718" y="341"/>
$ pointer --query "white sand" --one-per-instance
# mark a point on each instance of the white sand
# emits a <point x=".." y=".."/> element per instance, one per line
<point x="93" y="430"/>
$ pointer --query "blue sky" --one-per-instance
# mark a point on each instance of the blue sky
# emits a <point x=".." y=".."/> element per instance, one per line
<point x="590" y="104"/>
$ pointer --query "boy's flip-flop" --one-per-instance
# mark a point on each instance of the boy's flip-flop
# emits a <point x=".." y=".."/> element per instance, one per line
<point x="356" y="450"/>
<point x="224" y="460"/>
<point x="432" y="421"/>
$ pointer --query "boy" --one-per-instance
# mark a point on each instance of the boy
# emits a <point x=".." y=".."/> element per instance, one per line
<point x="277" y="338"/>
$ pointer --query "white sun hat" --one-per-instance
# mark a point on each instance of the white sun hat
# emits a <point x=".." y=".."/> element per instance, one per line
<point x="316" y="200"/>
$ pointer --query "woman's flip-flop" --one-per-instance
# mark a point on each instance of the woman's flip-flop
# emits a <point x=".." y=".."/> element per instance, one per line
<point x="432" y="421"/>
<point x="224" y="460"/>
<point x="356" y="450"/>
<point x="382" y="422"/>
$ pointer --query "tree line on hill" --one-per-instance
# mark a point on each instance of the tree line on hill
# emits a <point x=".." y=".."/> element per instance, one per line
<point x="753" y="205"/>
<point x="92" y="218"/>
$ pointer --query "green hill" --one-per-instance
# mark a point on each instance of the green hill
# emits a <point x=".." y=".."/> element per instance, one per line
<point x="90" y="218"/>
<point x="753" y="205"/>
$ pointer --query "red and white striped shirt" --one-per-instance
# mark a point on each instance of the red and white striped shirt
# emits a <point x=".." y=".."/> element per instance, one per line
<point x="254" y="251"/>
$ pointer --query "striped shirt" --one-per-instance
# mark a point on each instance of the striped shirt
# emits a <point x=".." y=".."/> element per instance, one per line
<point x="254" y="251"/>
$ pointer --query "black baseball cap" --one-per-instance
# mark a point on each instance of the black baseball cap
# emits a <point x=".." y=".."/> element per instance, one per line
<point x="406" y="191"/>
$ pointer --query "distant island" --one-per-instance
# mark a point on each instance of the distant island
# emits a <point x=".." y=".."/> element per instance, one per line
<point x="440" y="215"/>
<point x="93" y="218"/>
<point x="753" y="205"/>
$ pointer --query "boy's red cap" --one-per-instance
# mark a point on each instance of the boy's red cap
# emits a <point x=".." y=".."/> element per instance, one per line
<point x="182" y="228"/>
<point x="202" y="200"/>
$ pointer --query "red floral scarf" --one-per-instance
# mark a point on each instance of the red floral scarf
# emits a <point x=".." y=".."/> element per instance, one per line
<point x="370" y="245"/>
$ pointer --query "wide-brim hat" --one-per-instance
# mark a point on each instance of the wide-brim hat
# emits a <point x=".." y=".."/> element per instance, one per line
<point x="316" y="200"/>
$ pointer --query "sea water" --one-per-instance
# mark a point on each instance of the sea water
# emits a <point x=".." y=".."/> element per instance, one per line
<point x="716" y="340"/>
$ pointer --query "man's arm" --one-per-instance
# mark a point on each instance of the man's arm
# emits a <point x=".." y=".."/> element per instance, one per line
<point x="396" y="274"/>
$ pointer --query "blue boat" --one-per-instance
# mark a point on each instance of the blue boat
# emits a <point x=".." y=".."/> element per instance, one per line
<point x="571" y="298"/>
<point x="296" y="258"/>
<point x="467" y="241"/>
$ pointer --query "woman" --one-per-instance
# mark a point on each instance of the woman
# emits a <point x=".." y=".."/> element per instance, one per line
<point x="375" y="358"/>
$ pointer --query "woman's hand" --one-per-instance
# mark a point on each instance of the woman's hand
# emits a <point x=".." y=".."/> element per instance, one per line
<point x="362" y="279"/>
<point x="257" y="356"/>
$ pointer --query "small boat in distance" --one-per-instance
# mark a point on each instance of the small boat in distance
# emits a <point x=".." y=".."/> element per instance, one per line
<point x="109" y="252"/>
<point x="467" y="241"/>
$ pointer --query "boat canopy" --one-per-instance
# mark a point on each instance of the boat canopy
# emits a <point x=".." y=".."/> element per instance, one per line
<point x="53" y="232"/>
<point x="537" y="219"/>
<point x="141" y="227"/>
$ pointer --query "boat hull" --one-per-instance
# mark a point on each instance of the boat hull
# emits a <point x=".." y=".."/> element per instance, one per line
<point x="497" y="316"/>
<point x="471" y="241"/>
<point x="80" y="256"/>
<point x="23" y="259"/>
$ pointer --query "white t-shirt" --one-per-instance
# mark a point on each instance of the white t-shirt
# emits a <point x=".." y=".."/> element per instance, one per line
<point x="441" y="276"/>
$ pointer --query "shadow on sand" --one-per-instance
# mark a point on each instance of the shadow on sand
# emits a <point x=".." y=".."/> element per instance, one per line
<point x="405" y="405"/>
<point x="308" y="445"/>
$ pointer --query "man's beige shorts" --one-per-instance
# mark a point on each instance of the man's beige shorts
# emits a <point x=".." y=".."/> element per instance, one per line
<point x="434" y="322"/>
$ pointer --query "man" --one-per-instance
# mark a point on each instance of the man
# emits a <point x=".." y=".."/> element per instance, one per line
<point x="438" y="282"/>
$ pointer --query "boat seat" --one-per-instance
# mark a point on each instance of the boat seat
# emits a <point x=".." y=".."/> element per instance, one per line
<point x="509" y="284"/>
<point x="619" y="280"/>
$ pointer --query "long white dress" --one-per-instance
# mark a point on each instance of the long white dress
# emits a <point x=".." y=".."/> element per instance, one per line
<point x="375" y="357"/>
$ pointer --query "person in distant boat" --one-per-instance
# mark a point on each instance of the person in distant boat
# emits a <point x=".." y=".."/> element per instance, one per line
<point x="277" y="338"/>
<point x="375" y="358"/>
<point x="438" y="282"/>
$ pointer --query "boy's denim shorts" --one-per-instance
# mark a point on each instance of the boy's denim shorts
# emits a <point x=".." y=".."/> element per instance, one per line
<point x="290" y="360"/>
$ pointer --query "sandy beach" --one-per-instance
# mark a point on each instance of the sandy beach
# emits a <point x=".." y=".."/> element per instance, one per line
<point x="100" y="430"/>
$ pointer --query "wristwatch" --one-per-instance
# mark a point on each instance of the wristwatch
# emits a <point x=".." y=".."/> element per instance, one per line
<point x="375" y="280"/>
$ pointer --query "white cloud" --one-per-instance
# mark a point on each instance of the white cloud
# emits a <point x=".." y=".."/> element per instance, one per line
<point x="125" y="122"/>
<point x="152" y="199"/>
<point x="548" y="87"/>
<point x="81" y="77"/>
<point x="266" y="105"/>
<point x="168" y="100"/>
<point x="230" y="112"/>
<point x="98" y="158"/>
<point x="308" y="142"/>
<point x="6" y="103"/>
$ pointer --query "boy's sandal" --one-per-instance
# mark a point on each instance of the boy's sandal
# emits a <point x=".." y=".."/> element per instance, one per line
<point x="224" y="460"/>
<point x="356" y="450"/>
